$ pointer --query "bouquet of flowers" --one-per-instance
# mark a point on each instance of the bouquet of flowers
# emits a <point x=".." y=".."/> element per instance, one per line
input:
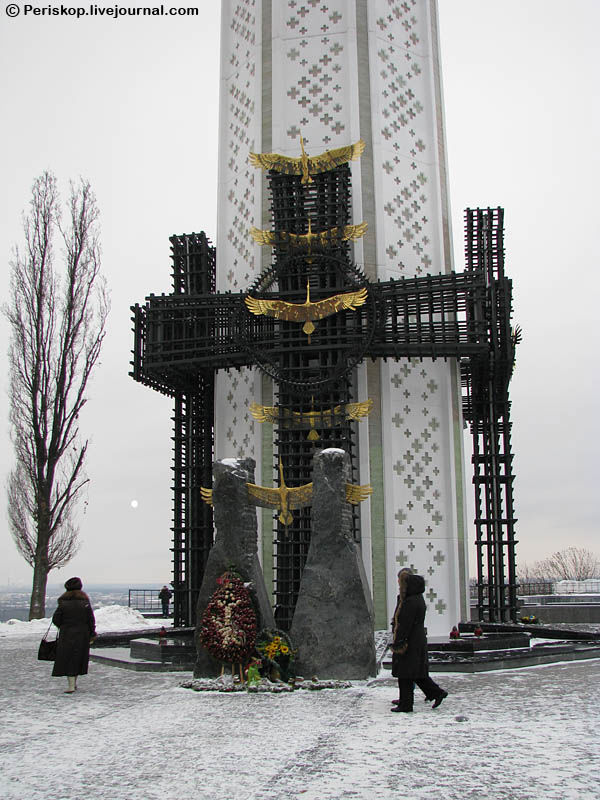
<point x="277" y="653"/>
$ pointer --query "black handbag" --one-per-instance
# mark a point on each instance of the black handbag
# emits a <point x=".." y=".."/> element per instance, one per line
<point x="47" y="649"/>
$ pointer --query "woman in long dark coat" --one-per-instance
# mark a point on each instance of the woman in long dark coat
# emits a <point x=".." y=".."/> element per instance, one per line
<point x="410" y="662"/>
<point x="75" y="621"/>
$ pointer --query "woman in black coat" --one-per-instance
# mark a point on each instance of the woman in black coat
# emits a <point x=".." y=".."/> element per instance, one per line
<point x="410" y="662"/>
<point x="75" y="621"/>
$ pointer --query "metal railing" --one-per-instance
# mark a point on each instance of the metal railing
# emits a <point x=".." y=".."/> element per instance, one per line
<point x="591" y="585"/>
<point x="145" y="600"/>
<point x="537" y="587"/>
<point x="523" y="589"/>
<point x="561" y="588"/>
<point x="587" y="599"/>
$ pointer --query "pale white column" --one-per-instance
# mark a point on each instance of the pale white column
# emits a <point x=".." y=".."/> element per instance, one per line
<point x="420" y="406"/>
<point x="239" y="207"/>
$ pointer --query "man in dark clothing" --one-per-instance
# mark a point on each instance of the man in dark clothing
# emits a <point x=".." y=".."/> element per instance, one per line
<point x="164" y="596"/>
<point x="410" y="662"/>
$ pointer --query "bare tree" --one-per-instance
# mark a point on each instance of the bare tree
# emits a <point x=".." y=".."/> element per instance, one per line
<point x="532" y="573"/>
<point x="57" y="324"/>
<point x="572" y="564"/>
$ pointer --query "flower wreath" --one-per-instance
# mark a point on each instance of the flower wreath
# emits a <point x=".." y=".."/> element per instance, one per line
<point x="228" y="626"/>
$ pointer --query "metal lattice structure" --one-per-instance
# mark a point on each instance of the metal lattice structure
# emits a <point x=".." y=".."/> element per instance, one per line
<point x="193" y="260"/>
<point x="306" y="366"/>
<point x="487" y="409"/>
<point x="183" y="338"/>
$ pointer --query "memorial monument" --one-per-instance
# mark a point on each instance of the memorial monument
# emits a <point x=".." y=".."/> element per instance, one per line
<point x="333" y="619"/>
<point x="335" y="73"/>
<point x="329" y="314"/>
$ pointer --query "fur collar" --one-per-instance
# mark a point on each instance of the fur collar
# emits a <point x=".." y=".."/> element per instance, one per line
<point x="76" y="594"/>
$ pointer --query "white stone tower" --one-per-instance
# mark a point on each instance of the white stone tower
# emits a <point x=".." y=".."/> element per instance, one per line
<point x="337" y="71"/>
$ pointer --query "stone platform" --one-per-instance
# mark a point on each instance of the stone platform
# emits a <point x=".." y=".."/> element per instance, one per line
<point x="168" y="651"/>
<point x="482" y="661"/>
<point x="470" y="643"/>
<point x="147" y="652"/>
<point x="538" y="630"/>
<point x="507" y="646"/>
<point x="503" y="646"/>
<point x="121" y="657"/>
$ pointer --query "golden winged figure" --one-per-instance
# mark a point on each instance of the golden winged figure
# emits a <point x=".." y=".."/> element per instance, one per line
<point x="307" y="312"/>
<point x="327" y="418"/>
<point x="355" y="493"/>
<point x="324" y="238"/>
<point x="286" y="499"/>
<point x="282" y="497"/>
<point x="308" y="165"/>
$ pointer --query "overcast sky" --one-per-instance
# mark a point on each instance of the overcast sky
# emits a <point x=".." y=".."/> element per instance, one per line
<point x="132" y="104"/>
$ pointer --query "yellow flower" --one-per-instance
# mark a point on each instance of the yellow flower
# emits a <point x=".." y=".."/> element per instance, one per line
<point x="271" y="650"/>
<point x="285" y="650"/>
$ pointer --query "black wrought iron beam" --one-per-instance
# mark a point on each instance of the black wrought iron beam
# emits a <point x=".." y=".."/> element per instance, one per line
<point x="427" y="317"/>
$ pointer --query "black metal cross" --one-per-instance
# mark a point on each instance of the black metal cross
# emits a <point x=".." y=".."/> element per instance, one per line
<point x="182" y="339"/>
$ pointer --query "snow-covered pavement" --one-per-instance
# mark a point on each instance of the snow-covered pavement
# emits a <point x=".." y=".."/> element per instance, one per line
<point x="529" y="733"/>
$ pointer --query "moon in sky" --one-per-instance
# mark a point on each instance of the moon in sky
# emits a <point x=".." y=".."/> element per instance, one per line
<point x="134" y="503"/>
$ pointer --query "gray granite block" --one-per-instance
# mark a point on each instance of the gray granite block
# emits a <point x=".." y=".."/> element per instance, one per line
<point x="235" y="547"/>
<point x="333" y="621"/>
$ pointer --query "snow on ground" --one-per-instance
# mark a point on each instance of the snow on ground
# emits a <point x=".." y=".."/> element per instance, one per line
<point x="516" y="735"/>
<point x="108" y="618"/>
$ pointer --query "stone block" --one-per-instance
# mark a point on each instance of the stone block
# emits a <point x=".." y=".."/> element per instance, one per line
<point x="333" y="621"/>
<point x="235" y="546"/>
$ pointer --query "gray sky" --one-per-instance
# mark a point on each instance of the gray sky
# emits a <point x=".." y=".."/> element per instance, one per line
<point x="132" y="104"/>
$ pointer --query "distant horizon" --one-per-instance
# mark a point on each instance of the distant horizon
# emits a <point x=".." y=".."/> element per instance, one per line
<point x="93" y="584"/>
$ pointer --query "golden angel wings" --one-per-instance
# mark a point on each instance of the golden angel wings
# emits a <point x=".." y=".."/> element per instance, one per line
<point x="284" y="498"/>
<point x="355" y="493"/>
<point x="307" y="312"/>
<point x="324" y="238"/>
<point x="308" y="165"/>
<point x="326" y="418"/>
<point x="288" y="498"/>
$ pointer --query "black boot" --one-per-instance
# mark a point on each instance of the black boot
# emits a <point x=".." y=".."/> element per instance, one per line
<point x="439" y="698"/>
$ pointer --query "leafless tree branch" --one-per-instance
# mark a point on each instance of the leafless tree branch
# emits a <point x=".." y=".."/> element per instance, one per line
<point x="571" y="564"/>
